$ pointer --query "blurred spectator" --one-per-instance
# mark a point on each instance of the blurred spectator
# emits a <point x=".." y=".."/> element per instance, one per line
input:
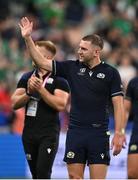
<point x="126" y="70"/>
<point x="6" y="113"/>
<point x="74" y="12"/>
<point x="113" y="57"/>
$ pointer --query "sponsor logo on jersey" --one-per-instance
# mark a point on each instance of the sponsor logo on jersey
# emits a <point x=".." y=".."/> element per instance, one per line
<point x="82" y="71"/>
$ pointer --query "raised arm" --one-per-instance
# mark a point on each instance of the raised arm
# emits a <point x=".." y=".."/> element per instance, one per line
<point x="26" y="29"/>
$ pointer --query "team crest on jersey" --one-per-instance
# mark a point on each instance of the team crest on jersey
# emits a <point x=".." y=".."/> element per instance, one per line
<point x="70" y="155"/>
<point x="101" y="75"/>
<point x="50" y="81"/>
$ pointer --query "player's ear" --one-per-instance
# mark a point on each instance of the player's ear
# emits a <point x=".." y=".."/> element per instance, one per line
<point x="95" y="52"/>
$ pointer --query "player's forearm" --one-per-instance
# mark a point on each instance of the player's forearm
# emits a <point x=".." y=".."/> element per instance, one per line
<point x="119" y="117"/>
<point x="37" y="57"/>
<point x="58" y="103"/>
<point x="19" y="101"/>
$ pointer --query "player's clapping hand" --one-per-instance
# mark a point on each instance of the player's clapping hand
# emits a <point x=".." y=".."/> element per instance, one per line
<point x="34" y="84"/>
<point x="26" y="27"/>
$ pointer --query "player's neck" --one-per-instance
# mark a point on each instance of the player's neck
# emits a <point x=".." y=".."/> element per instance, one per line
<point x="42" y="71"/>
<point x="94" y="63"/>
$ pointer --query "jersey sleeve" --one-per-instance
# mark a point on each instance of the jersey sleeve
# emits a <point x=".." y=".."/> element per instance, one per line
<point x="116" y="84"/>
<point x="62" y="84"/>
<point x="61" y="68"/>
<point x="22" y="83"/>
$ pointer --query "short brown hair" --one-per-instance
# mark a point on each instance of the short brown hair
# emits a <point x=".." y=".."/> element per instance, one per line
<point x="49" y="45"/>
<point x="94" y="39"/>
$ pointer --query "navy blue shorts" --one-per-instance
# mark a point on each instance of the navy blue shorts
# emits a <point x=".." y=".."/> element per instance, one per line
<point x="89" y="146"/>
<point x="133" y="144"/>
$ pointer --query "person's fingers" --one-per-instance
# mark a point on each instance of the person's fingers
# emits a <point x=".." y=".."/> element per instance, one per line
<point x="27" y="22"/>
<point x="125" y="142"/>
<point x="117" y="149"/>
<point x="20" y="25"/>
<point x="26" y="19"/>
<point x="31" y="25"/>
<point x="22" y="22"/>
<point x="36" y="83"/>
<point x="116" y="152"/>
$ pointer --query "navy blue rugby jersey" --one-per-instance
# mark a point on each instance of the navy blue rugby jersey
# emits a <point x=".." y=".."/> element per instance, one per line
<point x="91" y="90"/>
<point x="46" y="119"/>
<point x="132" y="95"/>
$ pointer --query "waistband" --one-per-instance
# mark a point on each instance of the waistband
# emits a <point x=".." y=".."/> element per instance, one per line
<point x="89" y="126"/>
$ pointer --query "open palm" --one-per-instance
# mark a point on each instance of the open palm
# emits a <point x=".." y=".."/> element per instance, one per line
<point x="26" y="27"/>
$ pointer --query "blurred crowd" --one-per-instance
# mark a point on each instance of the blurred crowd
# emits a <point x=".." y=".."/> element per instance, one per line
<point x="64" y="22"/>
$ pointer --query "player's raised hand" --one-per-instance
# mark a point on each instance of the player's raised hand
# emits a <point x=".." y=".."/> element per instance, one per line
<point x="26" y="27"/>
